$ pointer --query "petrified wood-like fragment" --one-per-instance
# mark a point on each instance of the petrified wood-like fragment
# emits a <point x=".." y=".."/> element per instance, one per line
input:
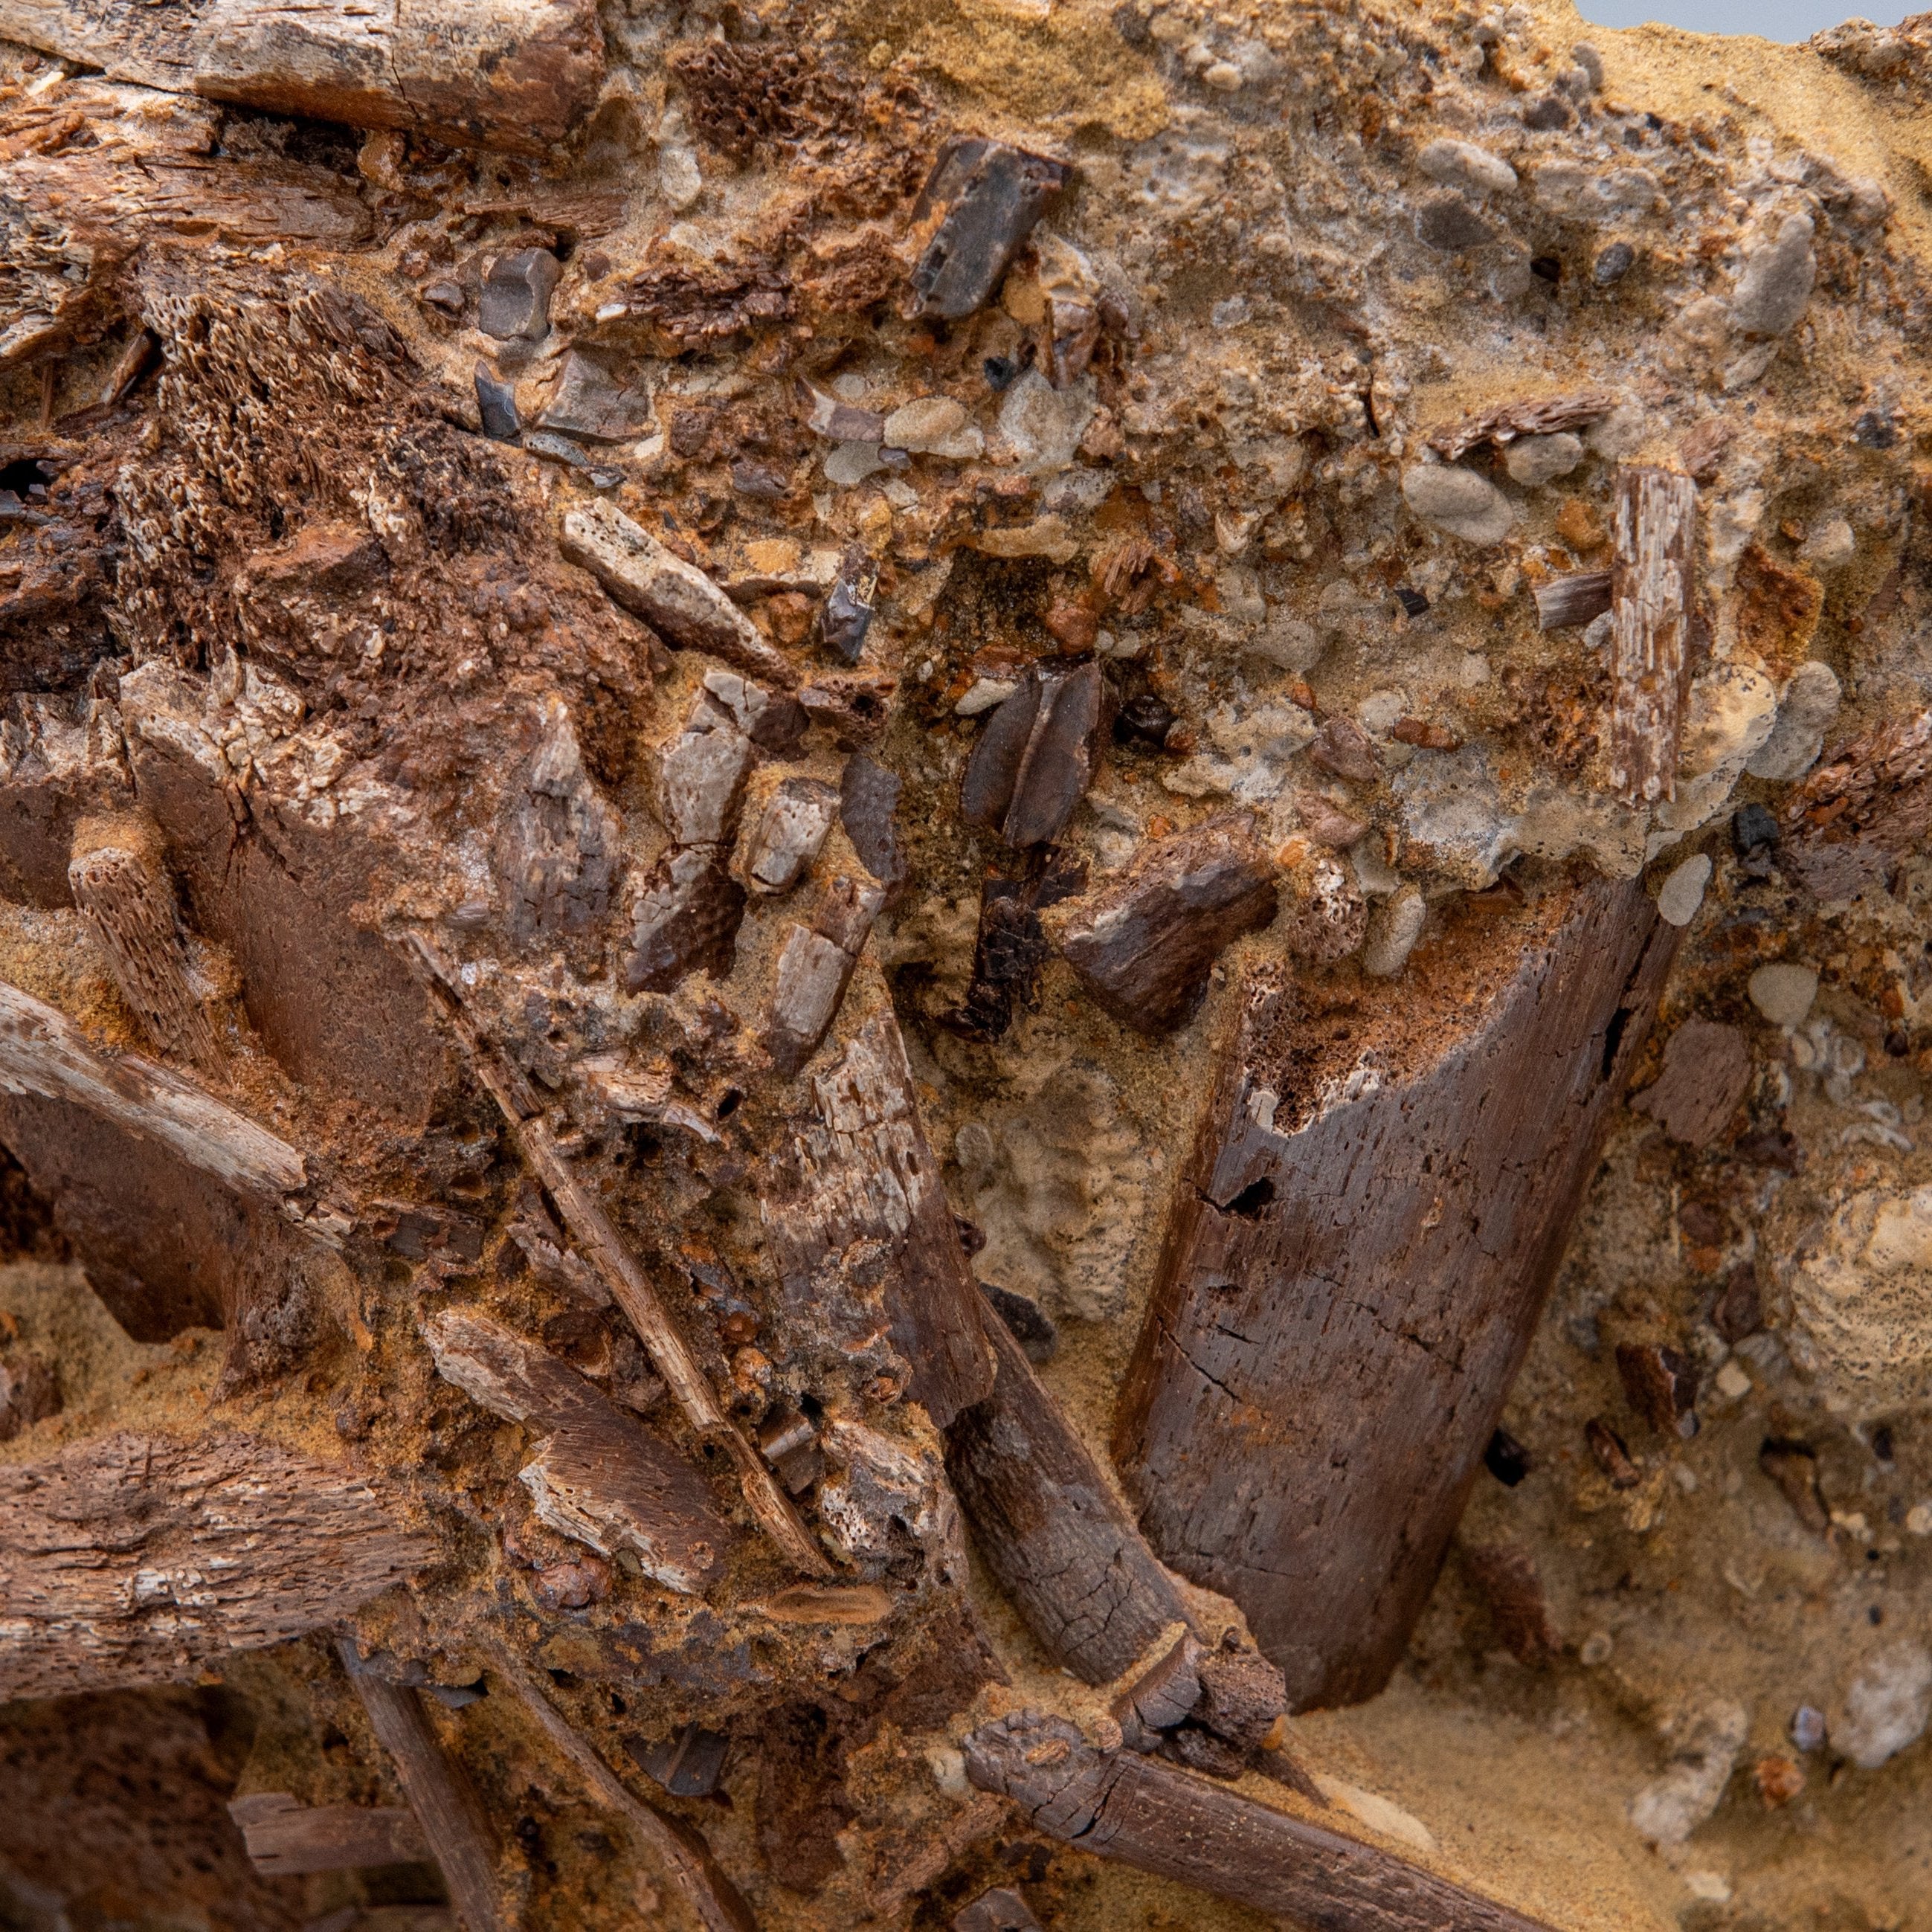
<point x="860" y="1180"/>
<point x="1162" y="1820"/>
<point x="600" y="1475"/>
<point x="979" y="203"/>
<point x="136" y="1558"/>
<point x="512" y="74"/>
<point x="445" y="1804"/>
<point x="1360" y="1248"/>
<point x="1034" y="758"/>
<point x="1504" y="422"/>
<point x="1142" y="946"/>
<point x="286" y="1837"/>
<point x="43" y="1052"/>
<point x="1869" y="802"/>
<point x="790" y="833"/>
<point x="1565" y="602"/>
<point x="1651" y="590"/>
<point x="120" y="882"/>
<point x="1051" y="1528"/>
<point x="560" y="852"/>
<point x="1159" y="1818"/>
<point x="676" y="598"/>
<point x="815" y="966"/>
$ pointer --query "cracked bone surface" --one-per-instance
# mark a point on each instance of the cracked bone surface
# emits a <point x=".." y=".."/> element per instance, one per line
<point x="963" y="965"/>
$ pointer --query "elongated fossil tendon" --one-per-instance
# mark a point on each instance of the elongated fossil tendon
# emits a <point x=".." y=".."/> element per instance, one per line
<point x="963" y="966"/>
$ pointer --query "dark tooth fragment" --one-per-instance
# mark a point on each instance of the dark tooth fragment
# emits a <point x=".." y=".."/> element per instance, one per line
<point x="686" y="917"/>
<point x="1447" y="223"/>
<point x="1506" y="1459"/>
<point x="847" y="614"/>
<point x="1564" y="602"/>
<point x="1412" y="602"/>
<point x="1793" y="1466"/>
<point x="496" y="403"/>
<point x="1752" y="829"/>
<point x="1035" y="757"/>
<point x="516" y="296"/>
<point x="1143" y="947"/>
<point x="869" y="797"/>
<point x="687" y="1764"/>
<point x="1002" y="1910"/>
<point x="1029" y="1323"/>
<point x="763" y="480"/>
<point x="1874" y="430"/>
<point x="1145" y="720"/>
<point x="979" y="204"/>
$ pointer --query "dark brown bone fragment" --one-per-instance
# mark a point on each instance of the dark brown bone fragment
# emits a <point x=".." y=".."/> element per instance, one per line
<point x="861" y="1175"/>
<point x="1143" y="946"/>
<point x="1050" y="1528"/>
<point x="1707" y="1072"/>
<point x="1661" y="1385"/>
<point x="601" y="1477"/>
<point x="136" y="1558"/>
<point x="514" y="75"/>
<point x="445" y="1804"/>
<point x="1009" y="946"/>
<point x="1351" y="1277"/>
<point x="1651" y="592"/>
<point x="1565" y="602"/>
<point x="869" y="796"/>
<point x="1154" y="1817"/>
<point x="285" y="1837"/>
<point x="686" y="1858"/>
<point x="1035" y="757"/>
<point x="979" y="204"/>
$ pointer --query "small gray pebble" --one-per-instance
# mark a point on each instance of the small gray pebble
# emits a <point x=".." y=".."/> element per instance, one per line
<point x="1612" y="265"/>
